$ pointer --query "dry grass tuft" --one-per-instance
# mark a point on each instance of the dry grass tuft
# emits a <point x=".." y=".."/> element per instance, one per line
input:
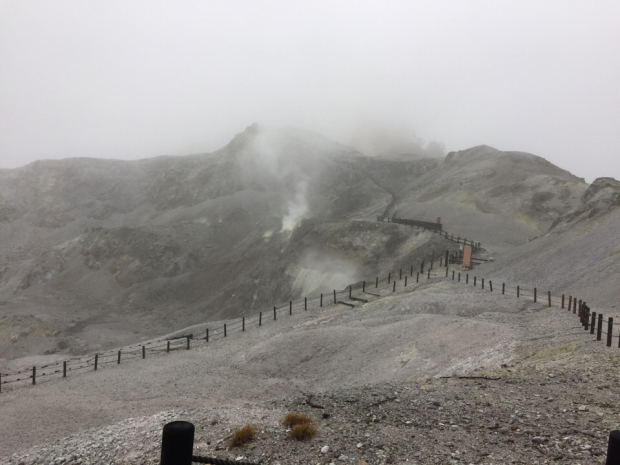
<point x="303" y="432"/>
<point x="293" y="419"/>
<point x="243" y="435"/>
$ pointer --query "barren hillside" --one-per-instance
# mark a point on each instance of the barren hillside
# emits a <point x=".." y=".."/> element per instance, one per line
<point x="96" y="254"/>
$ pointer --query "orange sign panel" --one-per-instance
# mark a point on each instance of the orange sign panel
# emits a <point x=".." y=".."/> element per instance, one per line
<point x="467" y="256"/>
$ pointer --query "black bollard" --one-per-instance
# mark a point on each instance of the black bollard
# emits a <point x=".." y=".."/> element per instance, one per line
<point x="177" y="443"/>
<point x="613" y="448"/>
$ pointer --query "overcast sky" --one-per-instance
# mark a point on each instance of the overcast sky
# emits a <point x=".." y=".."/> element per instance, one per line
<point x="133" y="79"/>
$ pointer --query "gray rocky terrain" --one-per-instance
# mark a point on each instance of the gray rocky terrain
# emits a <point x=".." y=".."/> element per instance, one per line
<point x="100" y="255"/>
<point x="95" y="254"/>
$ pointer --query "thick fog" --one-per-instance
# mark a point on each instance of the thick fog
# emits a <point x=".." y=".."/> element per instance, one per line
<point x="127" y="79"/>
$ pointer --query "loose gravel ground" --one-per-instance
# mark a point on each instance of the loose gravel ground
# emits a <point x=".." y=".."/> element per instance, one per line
<point x="442" y="373"/>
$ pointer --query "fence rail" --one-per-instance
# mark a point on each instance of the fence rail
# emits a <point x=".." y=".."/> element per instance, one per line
<point x="594" y="322"/>
<point x="437" y="228"/>
<point x="62" y="368"/>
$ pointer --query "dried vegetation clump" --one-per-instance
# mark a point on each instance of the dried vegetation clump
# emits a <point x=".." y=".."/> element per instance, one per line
<point x="302" y="428"/>
<point x="295" y="418"/>
<point x="303" y="432"/>
<point x="242" y="436"/>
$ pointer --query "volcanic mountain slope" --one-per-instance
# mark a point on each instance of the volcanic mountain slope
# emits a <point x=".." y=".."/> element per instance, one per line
<point x="101" y="253"/>
<point x="97" y="254"/>
<point x="506" y="197"/>
<point x="579" y="255"/>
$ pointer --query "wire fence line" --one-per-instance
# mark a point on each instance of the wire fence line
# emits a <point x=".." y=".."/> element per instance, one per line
<point x="595" y="323"/>
<point x="590" y="320"/>
<point x="353" y="293"/>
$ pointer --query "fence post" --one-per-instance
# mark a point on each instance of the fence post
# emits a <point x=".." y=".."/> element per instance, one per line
<point x="118" y="359"/>
<point x="177" y="443"/>
<point x="96" y="361"/>
<point x="168" y="346"/>
<point x="534" y="295"/>
<point x="143" y="352"/>
<point x="467" y="278"/>
<point x="579" y="309"/>
<point x="613" y="448"/>
<point x="377" y="282"/>
<point x="411" y="272"/>
<point x="187" y="342"/>
<point x="459" y="277"/>
<point x="592" y="323"/>
<point x="274" y="312"/>
<point x="586" y="319"/>
<point x="405" y="280"/>
<point x="452" y="275"/>
<point x="207" y="335"/>
<point x="599" y="328"/>
<point x="491" y="286"/>
<point x="482" y="283"/>
<point x="260" y="318"/>
<point x="224" y="329"/>
<point x="517" y="291"/>
<point x="364" y="286"/>
<point x="394" y="287"/>
<point x="503" y="288"/>
<point x="429" y="274"/>
<point x="446" y="272"/>
<point x="610" y="329"/>
<point x="290" y="307"/>
<point x="64" y="369"/>
<point x="243" y="324"/>
<point x="400" y="276"/>
<point x="562" y="300"/>
<point x="549" y="295"/>
<point x="574" y="305"/>
<point x="321" y="303"/>
<point x="34" y="375"/>
<point x="570" y="302"/>
<point x="305" y="303"/>
<point x="334" y="296"/>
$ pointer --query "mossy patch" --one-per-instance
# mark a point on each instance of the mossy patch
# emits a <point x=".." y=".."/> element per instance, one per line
<point x="549" y="354"/>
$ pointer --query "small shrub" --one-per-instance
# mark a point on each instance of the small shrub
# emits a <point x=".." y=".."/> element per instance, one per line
<point x="243" y="435"/>
<point x="303" y="432"/>
<point x="293" y="419"/>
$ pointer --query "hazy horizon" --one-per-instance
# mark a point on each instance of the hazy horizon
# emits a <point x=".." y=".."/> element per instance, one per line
<point x="135" y="79"/>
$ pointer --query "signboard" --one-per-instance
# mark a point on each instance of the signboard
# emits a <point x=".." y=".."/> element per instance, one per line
<point x="467" y="256"/>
